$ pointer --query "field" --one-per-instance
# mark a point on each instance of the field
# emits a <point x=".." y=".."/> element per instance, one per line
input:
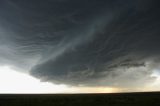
<point x="111" y="99"/>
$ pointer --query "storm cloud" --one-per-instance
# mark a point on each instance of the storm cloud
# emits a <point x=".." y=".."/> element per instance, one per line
<point x="82" y="42"/>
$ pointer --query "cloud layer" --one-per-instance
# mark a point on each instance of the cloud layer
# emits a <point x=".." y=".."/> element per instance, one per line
<point x="82" y="42"/>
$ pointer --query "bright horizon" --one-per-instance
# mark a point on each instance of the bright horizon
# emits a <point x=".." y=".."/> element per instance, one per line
<point x="14" y="82"/>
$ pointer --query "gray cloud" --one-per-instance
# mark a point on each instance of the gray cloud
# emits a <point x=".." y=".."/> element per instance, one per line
<point x="84" y="42"/>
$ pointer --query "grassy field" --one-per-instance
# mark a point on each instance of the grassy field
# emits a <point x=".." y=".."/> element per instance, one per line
<point x="113" y="99"/>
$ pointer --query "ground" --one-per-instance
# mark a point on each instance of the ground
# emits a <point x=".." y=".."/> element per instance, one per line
<point x="112" y="99"/>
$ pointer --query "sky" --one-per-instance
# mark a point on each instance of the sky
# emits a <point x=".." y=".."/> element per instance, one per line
<point x="79" y="46"/>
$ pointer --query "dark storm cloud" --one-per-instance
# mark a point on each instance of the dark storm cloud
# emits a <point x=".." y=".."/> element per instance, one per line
<point x="82" y="42"/>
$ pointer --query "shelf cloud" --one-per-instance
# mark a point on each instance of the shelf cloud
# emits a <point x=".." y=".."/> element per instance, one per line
<point x="82" y="42"/>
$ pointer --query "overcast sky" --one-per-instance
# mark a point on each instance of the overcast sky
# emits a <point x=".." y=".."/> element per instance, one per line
<point x="89" y="43"/>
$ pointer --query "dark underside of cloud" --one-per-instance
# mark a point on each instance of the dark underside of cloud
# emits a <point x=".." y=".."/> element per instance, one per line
<point x="82" y="42"/>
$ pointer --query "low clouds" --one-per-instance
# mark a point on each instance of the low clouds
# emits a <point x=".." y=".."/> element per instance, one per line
<point x="82" y="43"/>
